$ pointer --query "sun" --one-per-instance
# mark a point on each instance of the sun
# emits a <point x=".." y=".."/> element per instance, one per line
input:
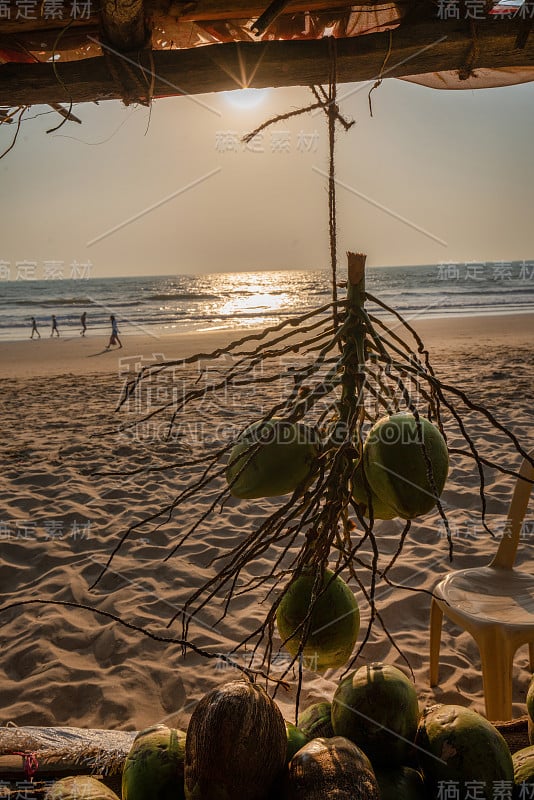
<point x="246" y="98"/>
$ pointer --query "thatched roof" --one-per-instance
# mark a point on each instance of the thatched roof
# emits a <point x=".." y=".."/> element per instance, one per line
<point x="56" y="51"/>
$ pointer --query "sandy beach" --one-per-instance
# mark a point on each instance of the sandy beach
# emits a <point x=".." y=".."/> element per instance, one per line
<point x="74" y="355"/>
<point x="61" y="516"/>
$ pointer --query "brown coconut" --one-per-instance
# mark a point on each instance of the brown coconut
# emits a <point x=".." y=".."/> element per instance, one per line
<point x="236" y="744"/>
<point x="335" y="768"/>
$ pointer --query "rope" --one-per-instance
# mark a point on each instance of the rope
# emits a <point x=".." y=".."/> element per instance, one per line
<point x="327" y="100"/>
<point x="127" y="79"/>
<point x="332" y="115"/>
<point x="466" y="70"/>
<point x="280" y="118"/>
<point x="381" y="73"/>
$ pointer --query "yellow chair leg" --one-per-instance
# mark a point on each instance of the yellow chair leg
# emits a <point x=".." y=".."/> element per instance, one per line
<point x="436" y="618"/>
<point x="496" y="656"/>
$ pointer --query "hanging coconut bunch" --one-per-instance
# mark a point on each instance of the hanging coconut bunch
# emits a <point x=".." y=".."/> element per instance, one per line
<point x="359" y="439"/>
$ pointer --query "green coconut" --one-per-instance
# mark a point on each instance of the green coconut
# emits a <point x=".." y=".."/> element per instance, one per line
<point x="530" y="699"/>
<point x="286" y="457"/>
<point x="523" y="761"/>
<point x="316" y="721"/>
<point x="530" y="710"/>
<point x="154" y="767"/>
<point x="398" y="455"/>
<point x="80" y="786"/>
<point x="361" y="494"/>
<point x="236" y="744"/>
<point x="295" y="740"/>
<point x="334" y="622"/>
<point x="331" y="768"/>
<point x="376" y="707"/>
<point x="458" y="745"/>
<point x="402" y="783"/>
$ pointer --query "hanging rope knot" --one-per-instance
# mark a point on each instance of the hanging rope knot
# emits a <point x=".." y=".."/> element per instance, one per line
<point x="333" y="109"/>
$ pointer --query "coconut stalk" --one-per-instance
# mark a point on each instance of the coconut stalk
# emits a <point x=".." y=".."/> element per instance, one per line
<point x="343" y="450"/>
<point x="352" y="405"/>
<point x="345" y="441"/>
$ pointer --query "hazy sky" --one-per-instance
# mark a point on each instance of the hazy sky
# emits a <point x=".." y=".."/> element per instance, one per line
<point x="433" y="176"/>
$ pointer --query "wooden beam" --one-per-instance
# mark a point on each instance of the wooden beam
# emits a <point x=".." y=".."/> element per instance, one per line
<point x="416" y="48"/>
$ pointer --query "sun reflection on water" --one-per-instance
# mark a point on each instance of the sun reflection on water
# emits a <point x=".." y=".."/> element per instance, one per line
<point x="241" y="299"/>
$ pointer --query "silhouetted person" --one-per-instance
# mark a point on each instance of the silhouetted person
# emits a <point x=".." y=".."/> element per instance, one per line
<point x="54" y="326"/>
<point x="83" y="319"/>
<point x="34" y="328"/>
<point x="114" y="338"/>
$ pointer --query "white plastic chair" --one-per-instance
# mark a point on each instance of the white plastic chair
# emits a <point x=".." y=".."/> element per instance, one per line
<point x="495" y="604"/>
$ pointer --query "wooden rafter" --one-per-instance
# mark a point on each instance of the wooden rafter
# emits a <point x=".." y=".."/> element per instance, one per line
<point x="194" y="11"/>
<point x="416" y="48"/>
<point x="123" y="23"/>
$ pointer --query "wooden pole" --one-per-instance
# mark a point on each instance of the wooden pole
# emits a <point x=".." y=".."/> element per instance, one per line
<point x="416" y="48"/>
<point x="123" y="24"/>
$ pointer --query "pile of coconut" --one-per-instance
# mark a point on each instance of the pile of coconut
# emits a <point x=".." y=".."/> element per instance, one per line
<point x="370" y="743"/>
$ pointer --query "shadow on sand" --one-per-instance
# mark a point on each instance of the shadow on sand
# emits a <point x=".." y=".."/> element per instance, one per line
<point x="101" y="352"/>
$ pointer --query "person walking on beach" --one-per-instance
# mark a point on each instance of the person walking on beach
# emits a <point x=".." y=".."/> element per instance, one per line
<point x="83" y="319"/>
<point x="114" y="338"/>
<point x="54" y="325"/>
<point x="34" y="328"/>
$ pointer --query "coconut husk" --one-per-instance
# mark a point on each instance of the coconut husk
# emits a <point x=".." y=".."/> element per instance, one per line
<point x="515" y="732"/>
<point x="236" y="744"/>
<point x="80" y="786"/>
<point x="333" y="768"/>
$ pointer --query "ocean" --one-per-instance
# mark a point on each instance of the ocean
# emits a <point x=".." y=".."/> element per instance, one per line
<point x="184" y="303"/>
